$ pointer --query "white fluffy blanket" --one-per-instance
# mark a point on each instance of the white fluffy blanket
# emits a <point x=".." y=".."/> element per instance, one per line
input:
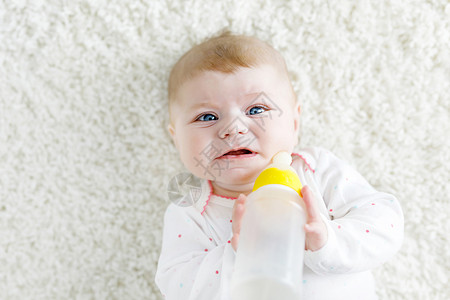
<point x="85" y="157"/>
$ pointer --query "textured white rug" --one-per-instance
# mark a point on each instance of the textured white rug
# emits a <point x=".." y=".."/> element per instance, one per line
<point x="85" y="157"/>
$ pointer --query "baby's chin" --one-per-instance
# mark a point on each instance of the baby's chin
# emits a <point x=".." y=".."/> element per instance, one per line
<point x="234" y="176"/>
<point x="231" y="188"/>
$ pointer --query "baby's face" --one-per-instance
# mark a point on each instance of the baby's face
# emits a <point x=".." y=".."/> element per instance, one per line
<point x="227" y="127"/>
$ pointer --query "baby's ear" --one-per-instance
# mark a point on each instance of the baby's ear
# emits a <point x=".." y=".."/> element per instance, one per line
<point x="297" y="111"/>
<point x="171" y="130"/>
<point x="297" y="122"/>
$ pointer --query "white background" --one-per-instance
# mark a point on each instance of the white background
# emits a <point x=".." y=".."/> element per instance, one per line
<point x="85" y="157"/>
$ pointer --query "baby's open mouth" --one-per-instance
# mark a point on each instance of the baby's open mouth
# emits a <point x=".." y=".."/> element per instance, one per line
<point x="236" y="153"/>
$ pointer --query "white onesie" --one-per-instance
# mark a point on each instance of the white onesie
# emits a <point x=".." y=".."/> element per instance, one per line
<point x="365" y="229"/>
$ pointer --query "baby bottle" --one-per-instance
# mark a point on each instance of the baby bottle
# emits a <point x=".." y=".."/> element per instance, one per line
<point x="269" y="259"/>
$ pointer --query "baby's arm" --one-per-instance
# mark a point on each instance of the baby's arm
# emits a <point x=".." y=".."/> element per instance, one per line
<point x="192" y="265"/>
<point x="366" y="226"/>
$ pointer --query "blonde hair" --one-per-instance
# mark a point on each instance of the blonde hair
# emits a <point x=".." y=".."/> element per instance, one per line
<point x="224" y="53"/>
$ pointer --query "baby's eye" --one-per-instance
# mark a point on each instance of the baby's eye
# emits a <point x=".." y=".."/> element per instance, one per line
<point x="206" y="117"/>
<point x="255" y="110"/>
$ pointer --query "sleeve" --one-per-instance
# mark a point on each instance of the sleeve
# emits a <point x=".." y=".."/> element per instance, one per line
<point x="365" y="227"/>
<point x="192" y="265"/>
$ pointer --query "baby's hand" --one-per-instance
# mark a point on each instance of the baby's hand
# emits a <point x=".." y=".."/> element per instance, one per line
<point x="315" y="229"/>
<point x="238" y="212"/>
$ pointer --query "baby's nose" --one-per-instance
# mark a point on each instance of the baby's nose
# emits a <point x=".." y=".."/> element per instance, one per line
<point x="237" y="126"/>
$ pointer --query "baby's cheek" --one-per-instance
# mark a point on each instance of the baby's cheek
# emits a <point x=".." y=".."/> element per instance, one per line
<point x="195" y="163"/>
<point x="281" y="141"/>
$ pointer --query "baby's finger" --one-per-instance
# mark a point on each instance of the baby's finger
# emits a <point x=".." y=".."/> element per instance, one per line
<point x="238" y="212"/>
<point x="239" y="201"/>
<point x="311" y="206"/>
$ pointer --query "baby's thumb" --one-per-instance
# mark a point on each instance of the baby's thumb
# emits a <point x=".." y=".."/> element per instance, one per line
<point x="238" y="211"/>
<point x="310" y="202"/>
<point x="240" y="200"/>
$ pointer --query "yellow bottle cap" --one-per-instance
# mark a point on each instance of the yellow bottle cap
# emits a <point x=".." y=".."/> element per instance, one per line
<point x="279" y="172"/>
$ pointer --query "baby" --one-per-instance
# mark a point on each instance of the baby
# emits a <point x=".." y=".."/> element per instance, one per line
<point x="232" y="108"/>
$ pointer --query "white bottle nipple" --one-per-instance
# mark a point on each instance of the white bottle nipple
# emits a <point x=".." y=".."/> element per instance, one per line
<point x="282" y="158"/>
